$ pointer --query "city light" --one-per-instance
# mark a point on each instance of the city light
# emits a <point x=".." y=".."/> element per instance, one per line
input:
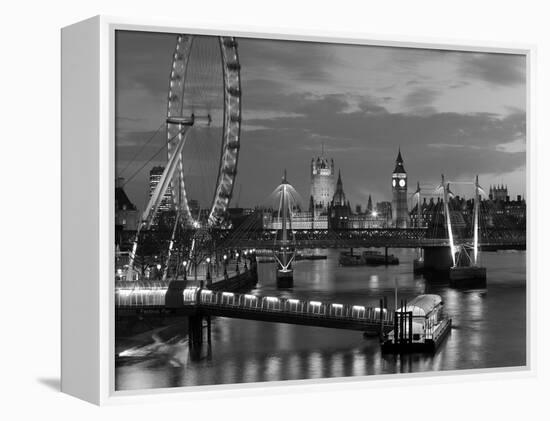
<point x="335" y="230"/>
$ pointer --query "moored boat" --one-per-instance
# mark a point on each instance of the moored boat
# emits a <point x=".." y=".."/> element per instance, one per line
<point x="419" y="326"/>
<point x="369" y="257"/>
<point x="349" y="259"/>
<point x="376" y="258"/>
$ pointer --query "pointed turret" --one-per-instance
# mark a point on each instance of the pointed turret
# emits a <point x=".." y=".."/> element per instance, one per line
<point x="399" y="168"/>
<point x="369" y="205"/>
<point x="339" y="198"/>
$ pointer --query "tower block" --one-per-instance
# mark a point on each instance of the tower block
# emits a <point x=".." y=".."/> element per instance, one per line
<point x="400" y="212"/>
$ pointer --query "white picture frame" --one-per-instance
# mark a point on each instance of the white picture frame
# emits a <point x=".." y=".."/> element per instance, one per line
<point x="88" y="208"/>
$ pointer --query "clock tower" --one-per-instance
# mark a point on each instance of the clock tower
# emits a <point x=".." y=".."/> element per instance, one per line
<point x="400" y="211"/>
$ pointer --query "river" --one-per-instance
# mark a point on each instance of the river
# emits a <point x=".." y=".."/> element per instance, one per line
<point x="489" y="329"/>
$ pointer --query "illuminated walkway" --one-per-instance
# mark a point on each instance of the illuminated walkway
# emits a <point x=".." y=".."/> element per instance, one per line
<point x="205" y="302"/>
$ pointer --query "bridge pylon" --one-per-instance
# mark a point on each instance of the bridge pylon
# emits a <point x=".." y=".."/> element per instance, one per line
<point x="285" y="253"/>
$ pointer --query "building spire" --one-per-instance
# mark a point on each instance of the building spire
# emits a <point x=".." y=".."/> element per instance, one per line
<point x="339" y="198"/>
<point x="399" y="168"/>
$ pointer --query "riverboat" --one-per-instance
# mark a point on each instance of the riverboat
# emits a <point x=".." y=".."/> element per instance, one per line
<point x="369" y="257"/>
<point x="349" y="259"/>
<point x="377" y="258"/>
<point x="418" y="326"/>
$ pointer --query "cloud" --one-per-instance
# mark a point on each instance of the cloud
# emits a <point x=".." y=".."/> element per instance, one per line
<point x="495" y="69"/>
<point x="420" y="97"/>
<point x="420" y="100"/>
<point x="361" y="103"/>
<point x="287" y="60"/>
<point x="364" y="144"/>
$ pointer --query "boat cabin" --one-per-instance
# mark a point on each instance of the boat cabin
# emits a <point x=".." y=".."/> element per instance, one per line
<point x="418" y="320"/>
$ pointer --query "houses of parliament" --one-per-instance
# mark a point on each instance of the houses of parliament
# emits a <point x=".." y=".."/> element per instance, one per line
<point x="329" y="208"/>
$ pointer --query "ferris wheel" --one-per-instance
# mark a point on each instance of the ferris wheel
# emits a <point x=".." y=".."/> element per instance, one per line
<point x="204" y="124"/>
<point x="203" y="133"/>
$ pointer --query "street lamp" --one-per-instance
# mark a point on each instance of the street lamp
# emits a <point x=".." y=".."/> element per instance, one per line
<point x="185" y="270"/>
<point x="225" y="266"/>
<point x="208" y="276"/>
<point x="237" y="265"/>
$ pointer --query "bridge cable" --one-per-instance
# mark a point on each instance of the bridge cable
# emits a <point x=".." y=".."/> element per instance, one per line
<point x="141" y="149"/>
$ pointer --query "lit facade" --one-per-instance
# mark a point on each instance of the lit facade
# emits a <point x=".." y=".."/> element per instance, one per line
<point x="498" y="193"/>
<point x="322" y="184"/>
<point x="154" y="177"/>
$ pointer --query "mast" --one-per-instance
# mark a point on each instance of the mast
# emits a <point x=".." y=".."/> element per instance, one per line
<point x="418" y="217"/>
<point x="448" y="218"/>
<point x="418" y="210"/>
<point x="286" y="218"/>
<point x="476" y="220"/>
<point x="284" y="210"/>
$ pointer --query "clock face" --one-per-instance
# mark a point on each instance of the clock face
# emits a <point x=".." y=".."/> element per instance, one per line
<point x="402" y="183"/>
<point x="393" y="182"/>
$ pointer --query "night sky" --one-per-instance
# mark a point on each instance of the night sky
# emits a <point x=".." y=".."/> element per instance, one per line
<point x="456" y="113"/>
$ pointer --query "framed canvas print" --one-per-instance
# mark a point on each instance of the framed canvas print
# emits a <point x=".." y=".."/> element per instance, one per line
<point x="259" y="208"/>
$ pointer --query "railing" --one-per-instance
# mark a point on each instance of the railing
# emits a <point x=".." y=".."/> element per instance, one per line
<point x="279" y="305"/>
<point x="406" y="237"/>
<point x="140" y="294"/>
<point x="440" y="329"/>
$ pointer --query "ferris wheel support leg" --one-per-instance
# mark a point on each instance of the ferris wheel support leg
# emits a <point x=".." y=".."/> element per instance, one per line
<point x="165" y="180"/>
<point x="170" y="247"/>
<point x="154" y="202"/>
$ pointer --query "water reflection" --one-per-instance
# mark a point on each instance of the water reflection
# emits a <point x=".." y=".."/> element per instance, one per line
<point x="488" y="330"/>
